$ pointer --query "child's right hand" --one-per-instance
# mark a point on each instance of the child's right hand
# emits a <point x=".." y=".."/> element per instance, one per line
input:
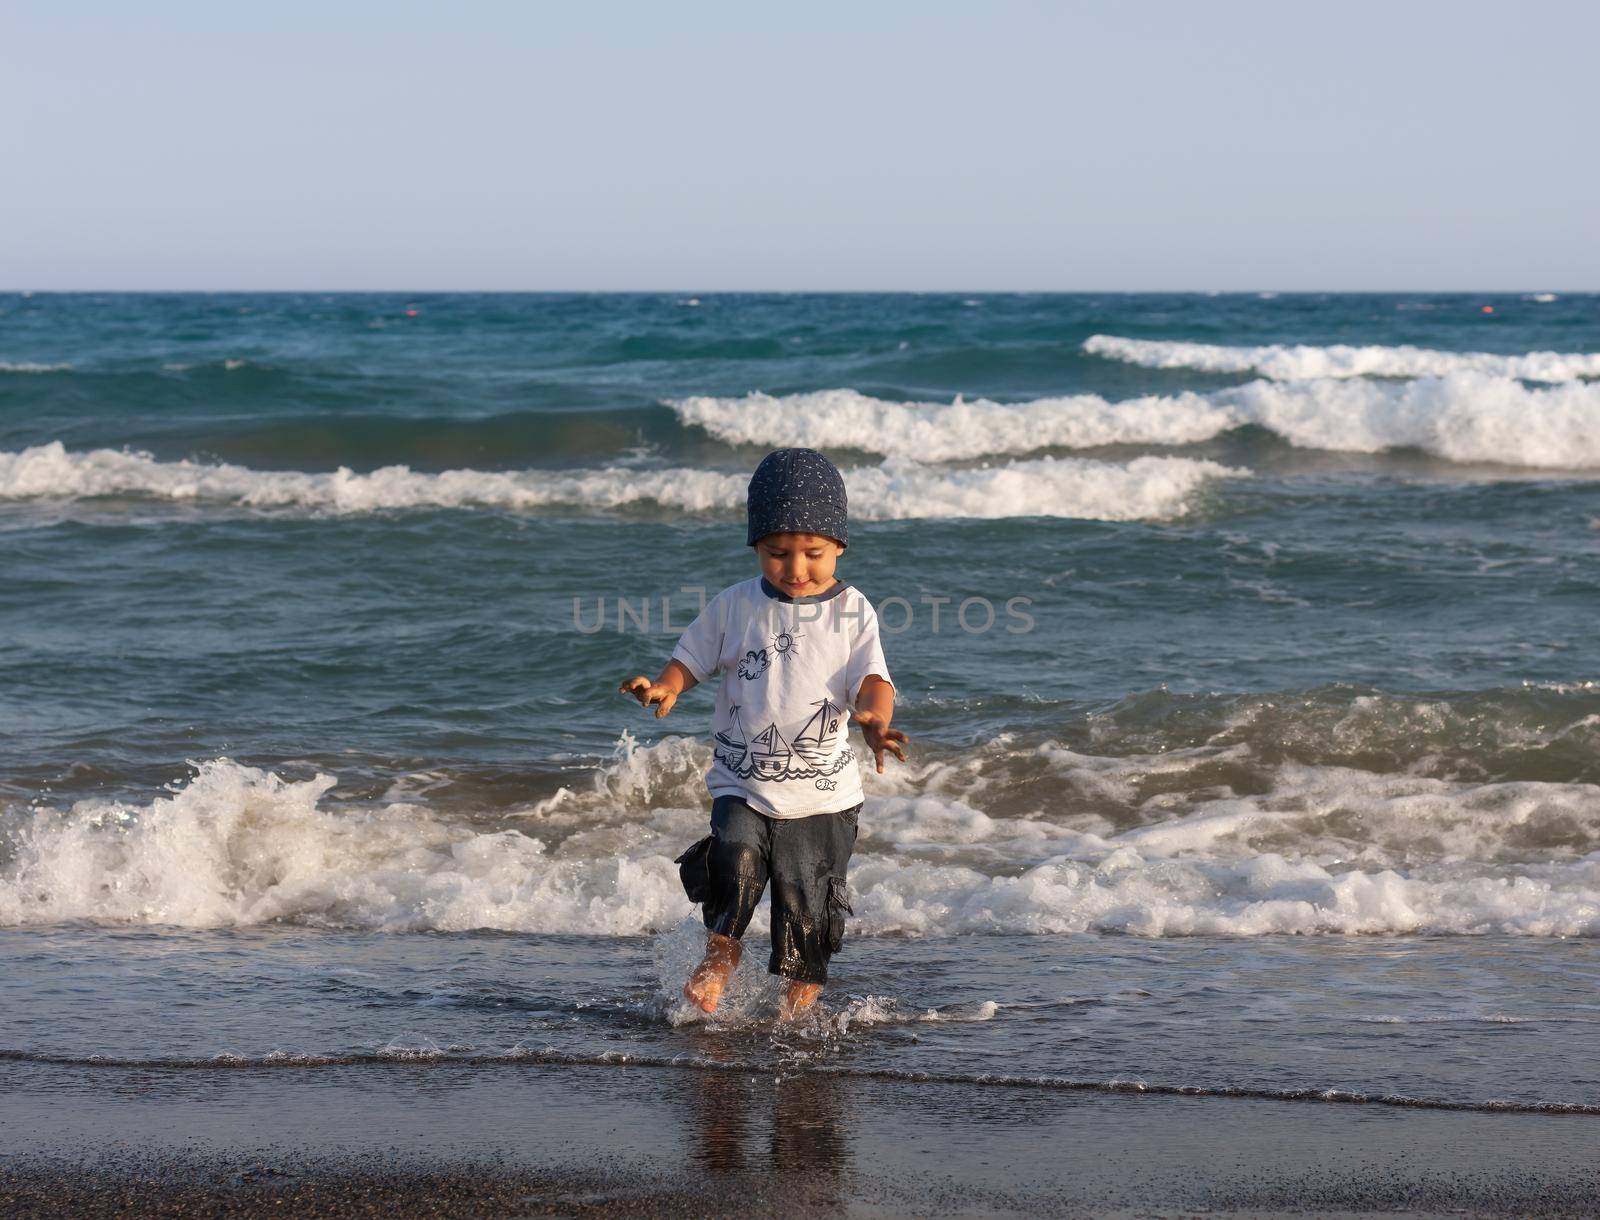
<point x="648" y="692"/>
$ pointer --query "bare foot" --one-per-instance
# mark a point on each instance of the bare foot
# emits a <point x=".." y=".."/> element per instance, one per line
<point x="705" y="985"/>
<point x="797" y="997"/>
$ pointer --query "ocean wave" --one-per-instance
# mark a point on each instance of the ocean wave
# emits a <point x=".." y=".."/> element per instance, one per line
<point x="1322" y="850"/>
<point x="941" y="432"/>
<point x="1145" y="488"/>
<point x="1543" y="733"/>
<point x="52" y="472"/>
<point x="1462" y="417"/>
<point x="1300" y="362"/>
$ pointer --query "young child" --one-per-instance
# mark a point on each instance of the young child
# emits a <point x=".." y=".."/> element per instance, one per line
<point x="794" y="646"/>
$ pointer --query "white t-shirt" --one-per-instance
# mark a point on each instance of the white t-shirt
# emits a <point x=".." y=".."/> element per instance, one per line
<point x="790" y="668"/>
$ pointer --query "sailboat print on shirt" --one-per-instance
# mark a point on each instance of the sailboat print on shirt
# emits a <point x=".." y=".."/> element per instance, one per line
<point x="731" y="748"/>
<point x="814" y="743"/>
<point x="768" y="756"/>
<point x="771" y="757"/>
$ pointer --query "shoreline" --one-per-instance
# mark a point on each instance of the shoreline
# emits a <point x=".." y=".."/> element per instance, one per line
<point x="415" y="1140"/>
<point x="533" y="1060"/>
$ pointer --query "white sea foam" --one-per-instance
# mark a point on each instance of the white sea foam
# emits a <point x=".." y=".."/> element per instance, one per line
<point x="1149" y="487"/>
<point x="1465" y="417"/>
<point x="1462" y="417"/>
<point x="1323" y="849"/>
<point x="51" y="471"/>
<point x="1298" y="362"/>
<point x="887" y="1010"/>
<point x="238" y="846"/>
<point x="940" y="432"/>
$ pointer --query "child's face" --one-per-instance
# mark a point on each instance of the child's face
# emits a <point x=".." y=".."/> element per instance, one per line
<point x="799" y="564"/>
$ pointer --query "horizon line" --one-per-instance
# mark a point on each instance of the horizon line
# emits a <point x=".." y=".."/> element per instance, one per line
<point x="724" y="292"/>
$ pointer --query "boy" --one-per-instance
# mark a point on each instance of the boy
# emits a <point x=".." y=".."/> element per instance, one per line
<point x="794" y="646"/>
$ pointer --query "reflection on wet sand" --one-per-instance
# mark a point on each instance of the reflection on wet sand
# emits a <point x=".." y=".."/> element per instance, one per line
<point x="789" y="1126"/>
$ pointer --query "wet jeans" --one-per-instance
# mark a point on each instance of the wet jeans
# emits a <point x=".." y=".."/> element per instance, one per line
<point x="805" y="859"/>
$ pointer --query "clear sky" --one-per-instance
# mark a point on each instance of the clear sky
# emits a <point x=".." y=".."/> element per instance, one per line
<point x="593" y="144"/>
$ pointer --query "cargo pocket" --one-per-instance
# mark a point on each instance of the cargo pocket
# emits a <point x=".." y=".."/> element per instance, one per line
<point x="838" y="908"/>
<point x="694" y="870"/>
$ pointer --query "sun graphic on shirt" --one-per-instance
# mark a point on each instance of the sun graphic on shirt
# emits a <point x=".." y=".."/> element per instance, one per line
<point x="784" y="643"/>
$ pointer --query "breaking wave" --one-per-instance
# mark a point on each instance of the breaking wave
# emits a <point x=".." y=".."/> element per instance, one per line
<point x="941" y="432"/>
<point x="1204" y="840"/>
<point x="1300" y="362"/>
<point x="1145" y="488"/>
<point x="1462" y="417"/>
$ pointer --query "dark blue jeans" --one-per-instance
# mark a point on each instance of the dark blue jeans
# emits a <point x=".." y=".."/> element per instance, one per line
<point x="806" y="860"/>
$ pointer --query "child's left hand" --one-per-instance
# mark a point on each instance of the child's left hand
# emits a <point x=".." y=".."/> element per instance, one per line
<point x="880" y="737"/>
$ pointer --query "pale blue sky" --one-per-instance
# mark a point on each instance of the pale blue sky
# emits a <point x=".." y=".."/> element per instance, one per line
<point x="705" y="146"/>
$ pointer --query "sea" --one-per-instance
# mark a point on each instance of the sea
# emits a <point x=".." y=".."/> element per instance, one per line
<point x="1247" y="646"/>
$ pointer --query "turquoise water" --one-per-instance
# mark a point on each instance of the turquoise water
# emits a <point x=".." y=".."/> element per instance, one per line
<point x="296" y="634"/>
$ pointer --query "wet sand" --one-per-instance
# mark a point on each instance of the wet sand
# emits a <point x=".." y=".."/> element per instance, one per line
<point x="448" y="1140"/>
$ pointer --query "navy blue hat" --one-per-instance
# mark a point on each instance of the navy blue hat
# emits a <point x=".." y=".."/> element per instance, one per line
<point x="797" y="491"/>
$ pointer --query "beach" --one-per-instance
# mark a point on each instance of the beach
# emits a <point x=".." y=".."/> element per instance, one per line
<point x="443" y="1140"/>
<point x="871" y="1106"/>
